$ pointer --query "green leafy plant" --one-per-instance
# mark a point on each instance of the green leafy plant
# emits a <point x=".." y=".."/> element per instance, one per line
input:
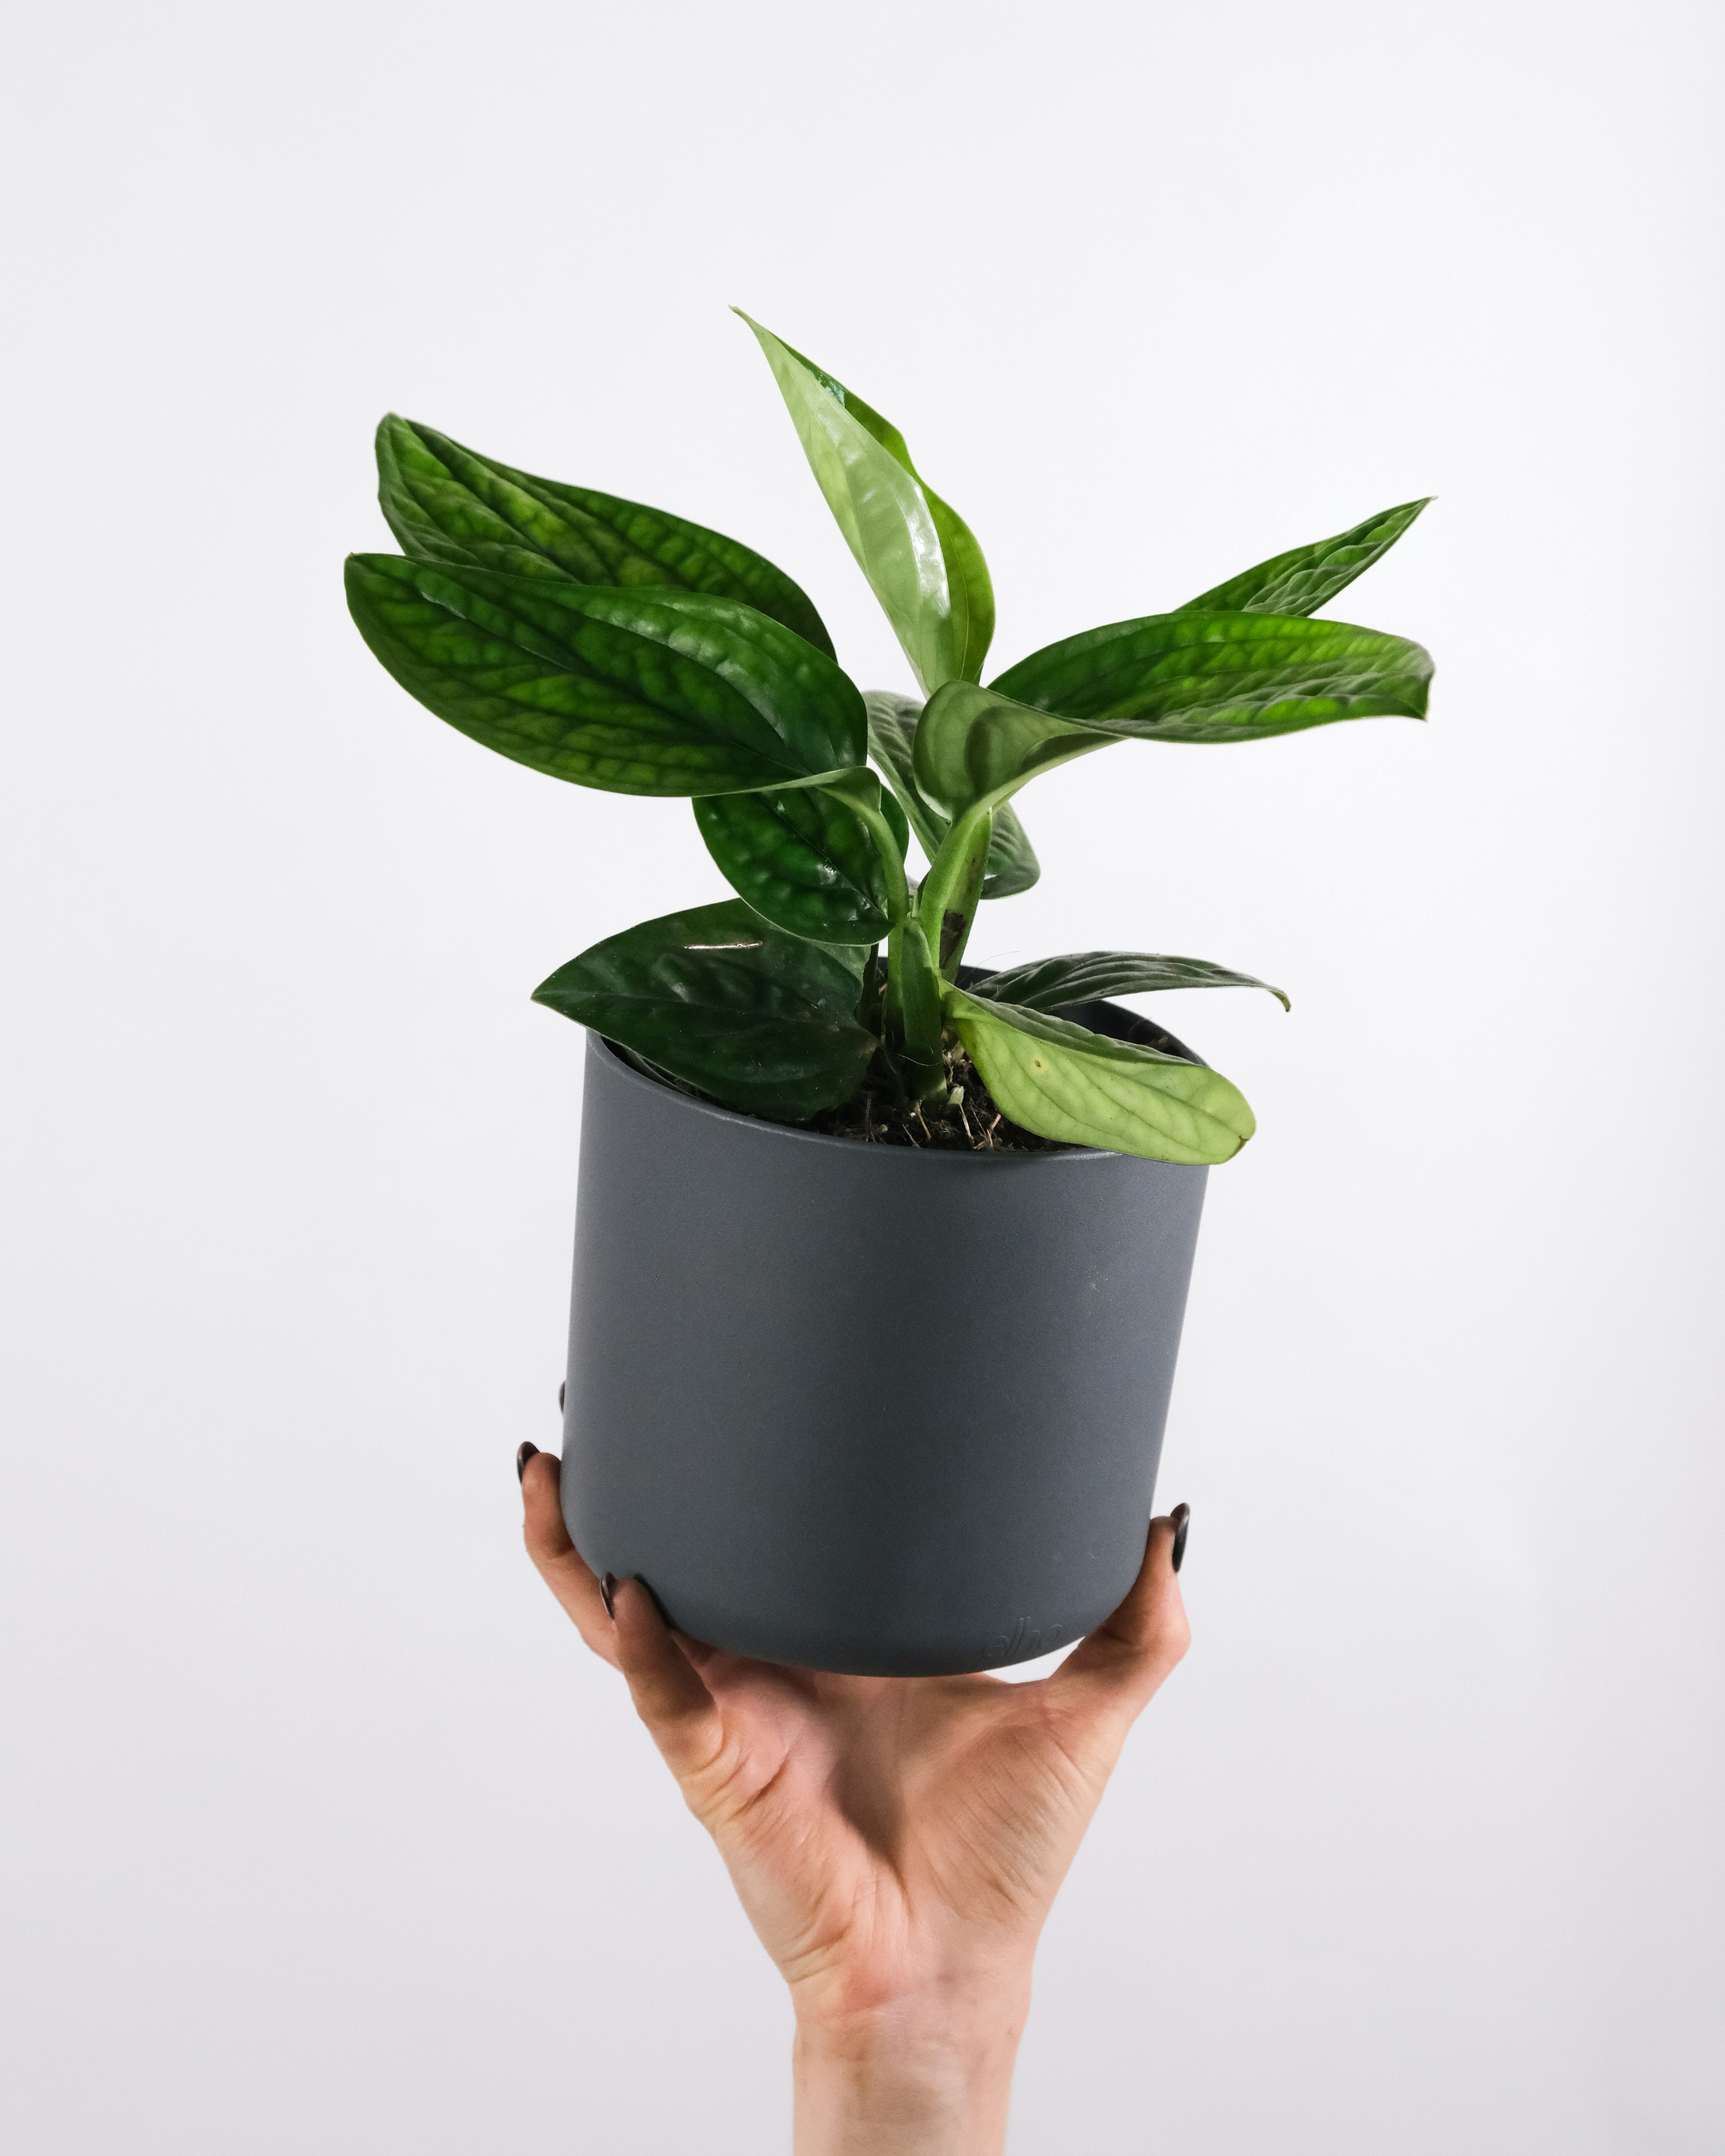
<point x="619" y="647"/>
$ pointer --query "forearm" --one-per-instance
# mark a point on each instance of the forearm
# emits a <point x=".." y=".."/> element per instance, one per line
<point x="910" y="2080"/>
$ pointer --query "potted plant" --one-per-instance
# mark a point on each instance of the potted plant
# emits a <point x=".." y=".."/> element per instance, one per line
<point x="881" y="1261"/>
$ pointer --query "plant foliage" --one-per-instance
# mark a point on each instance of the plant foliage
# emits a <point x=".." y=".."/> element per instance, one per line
<point x="621" y="647"/>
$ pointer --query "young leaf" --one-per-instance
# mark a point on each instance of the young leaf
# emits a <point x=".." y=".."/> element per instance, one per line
<point x="804" y="859"/>
<point x="658" y="692"/>
<point x="1012" y="865"/>
<point x="1221" y="677"/>
<point x="761" y="1021"/>
<point x="1306" y="578"/>
<point x="1064" y="1082"/>
<point x="445" y="503"/>
<point x="920" y="556"/>
<point x="1081" y="976"/>
<point x="971" y="742"/>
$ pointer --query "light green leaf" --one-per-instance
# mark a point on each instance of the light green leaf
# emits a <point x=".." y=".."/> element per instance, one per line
<point x="445" y="503"/>
<point x="657" y="692"/>
<point x="1081" y="976"/>
<point x="1221" y="677"/>
<point x="920" y="558"/>
<point x="1306" y="578"/>
<point x="761" y="1021"/>
<point x="804" y="859"/>
<point x="973" y="744"/>
<point x="1065" y="1082"/>
<point x="1012" y="865"/>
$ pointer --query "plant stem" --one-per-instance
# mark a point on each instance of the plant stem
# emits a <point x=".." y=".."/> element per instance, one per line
<point x="913" y="1011"/>
<point x="946" y="904"/>
<point x="861" y="792"/>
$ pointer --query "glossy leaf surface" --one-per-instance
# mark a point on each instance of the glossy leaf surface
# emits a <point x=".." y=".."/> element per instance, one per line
<point x="1048" y="984"/>
<point x="974" y="742"/>
<point x="1307" y="578"/>
<point x="447" y="503"/>
<point x="1222" y="677"/>
<point x="657" y="692"/>
<point x="803" y="859"/>
<point x="1012" y="865"/>
<point x="922" y="560"/>
<point x="970" y="589"/>
<point x="762" y="1021"/>
<point x="1065" y="1082"/>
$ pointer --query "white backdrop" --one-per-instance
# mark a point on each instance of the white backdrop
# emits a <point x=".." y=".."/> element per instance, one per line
<point x="319" y="1833"/>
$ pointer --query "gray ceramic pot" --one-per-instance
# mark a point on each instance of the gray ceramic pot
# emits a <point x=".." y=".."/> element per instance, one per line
<point x="863" y="1408"/>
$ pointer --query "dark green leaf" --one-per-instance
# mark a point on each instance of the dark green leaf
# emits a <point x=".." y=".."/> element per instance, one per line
<point x="445" y="503"/>
<point x="1064" y="1082"/>
<point x="1221" y="677"/>
<point x="1012" y="865"/>
<point x="659" y="692"/>
<point x="1306" y="578"/>
<point x="892" y="737"/>
<point x="762" y="1021"/>
<point x="1048" y="985"/>
<point x="920" y="556"/>
<point x="803" y="857"/>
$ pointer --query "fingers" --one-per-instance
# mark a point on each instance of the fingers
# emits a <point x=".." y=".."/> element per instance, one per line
<point x="668" y="1693"/>
<point x="667" y="1690"/>
<point x="559" y="1561"/>
<point x="1112" y="1676"/>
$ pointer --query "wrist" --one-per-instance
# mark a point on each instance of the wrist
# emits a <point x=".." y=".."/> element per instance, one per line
<point x="920" y="2076"/>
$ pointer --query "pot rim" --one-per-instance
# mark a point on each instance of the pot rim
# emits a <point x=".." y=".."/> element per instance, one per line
<point x="1018" y="1160"/>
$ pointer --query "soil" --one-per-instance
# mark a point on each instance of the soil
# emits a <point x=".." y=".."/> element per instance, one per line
<point x="876" y="1114"/>
<point x="970" y="1123"/>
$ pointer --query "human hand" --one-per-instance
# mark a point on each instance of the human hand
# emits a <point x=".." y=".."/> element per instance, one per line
<point x="896" y="1842"/>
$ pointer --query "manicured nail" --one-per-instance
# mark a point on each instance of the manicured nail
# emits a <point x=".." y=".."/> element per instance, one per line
<point x="607" y="1595"/>
<point x="1183" y="1520"/>
<point x="522" y="1458"/>
<point x="561" y="1389"/>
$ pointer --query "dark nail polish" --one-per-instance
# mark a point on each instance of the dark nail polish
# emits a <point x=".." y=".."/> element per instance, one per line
<point x="522" y="1458"/>
<point x="1183" y="1520"/>
<point x="561" y="1389"/>
<point x="607" y="1595"/>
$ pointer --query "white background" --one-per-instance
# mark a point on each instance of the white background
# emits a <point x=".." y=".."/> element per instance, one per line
<point x="319" y="1833"/>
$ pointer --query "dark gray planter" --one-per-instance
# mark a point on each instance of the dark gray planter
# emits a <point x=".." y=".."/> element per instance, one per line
<point x="863" y="1408"/>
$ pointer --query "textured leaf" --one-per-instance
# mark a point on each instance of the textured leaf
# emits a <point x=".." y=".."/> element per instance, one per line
<point x="445" y="503"/>
<point x="1065" y="1082"/>
<point x="974" y="742"/>
<point x="1221" y="677"/>
<point x="1048" y="985"/>
<point x="892" y="738"/>
<point x="762" y="1021"/>
<point x="1306" y="578"/>
<point x="658" y="692"/>
<point x="803" y="857"/>
<point x="1012" y="865"/>
<point x="920" y="558"/>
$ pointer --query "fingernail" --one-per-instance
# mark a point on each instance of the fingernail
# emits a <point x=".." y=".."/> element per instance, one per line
<point x="607" y="1595"/>
<point x="561" y="1389"/>
<point x="1183" y="1520"/>
<point x="522" y="1458"/>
